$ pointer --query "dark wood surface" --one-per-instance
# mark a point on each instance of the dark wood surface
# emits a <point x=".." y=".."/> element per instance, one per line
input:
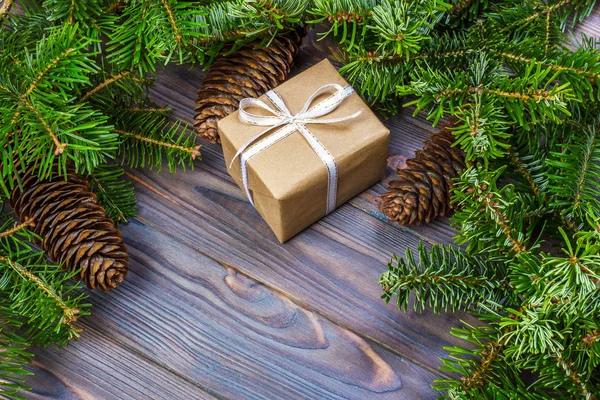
<point x="215" y="307"/>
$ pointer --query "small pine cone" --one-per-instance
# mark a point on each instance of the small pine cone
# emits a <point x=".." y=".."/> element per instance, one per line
<point x="424" y="189"/>
<point x="74" y="227"/>
<point x="250" y="71"/>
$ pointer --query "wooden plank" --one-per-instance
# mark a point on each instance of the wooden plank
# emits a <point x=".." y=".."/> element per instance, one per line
<point x="222" y="330"/>
<point x="332" y="267"/>
<point x="98" y="368"/>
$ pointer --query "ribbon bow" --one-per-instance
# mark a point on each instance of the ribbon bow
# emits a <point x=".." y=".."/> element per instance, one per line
<point x="282" y="118"/>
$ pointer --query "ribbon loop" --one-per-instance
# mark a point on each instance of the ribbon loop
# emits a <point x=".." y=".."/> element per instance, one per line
<point x="282" y="118"/>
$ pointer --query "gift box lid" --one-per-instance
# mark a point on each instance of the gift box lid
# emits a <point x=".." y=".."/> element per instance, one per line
<point x="286" y="168"/>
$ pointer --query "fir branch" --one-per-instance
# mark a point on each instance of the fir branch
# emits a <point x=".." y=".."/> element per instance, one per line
<point x="160" y="110"/>
<point x="491" y="352"/>
<point x="72" y="12"/>
<point x="150" y="137"/>
<point x="100" y="86"/>
<point x="13" y="358"/>
<point x="486" y="209"/>
<point x="571" y="373"/>
<point x="167" y="7"/>
<point x="69" y="313"/>
<point x="533" y="185"/>
<point x="114" y="192"/>
<point x="445" y="279"/>
<point x="28" y="223"/>
<point x="576" y="276"/>
<point x="59" y="147"/>
<point x="46" y="70"/>
<point x="548" y="29"/>
<point x="194" y="152"/>
<point x="549" y="10"/>
<point x="574" y="178"/>
<point x="37" y="290"/>
<point x="530" y="95"/>
<point x="484" y="370"/>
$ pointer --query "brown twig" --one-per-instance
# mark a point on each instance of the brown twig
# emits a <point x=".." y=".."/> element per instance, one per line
<point x="5" y="7"/>
<point x="42" y="74"/>
<point x="59" y="146"/>
<point x="9" y="232"/>
<point x="193" y="151"/>
<point x="103" y="84"/>
<point x="178" y="36"/>
<point x="69" y="313"/>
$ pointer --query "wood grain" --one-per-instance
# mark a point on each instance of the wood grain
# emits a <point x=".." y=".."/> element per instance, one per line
<point x="332" y="267"/>
<point x="98" y="368"/>
<point x="213" y="326"/>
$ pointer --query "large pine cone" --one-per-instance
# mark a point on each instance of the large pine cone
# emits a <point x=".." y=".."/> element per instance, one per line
<point x="250" y="71"/>
<point x="424" y="189"/>
<point x="74" y="227"/>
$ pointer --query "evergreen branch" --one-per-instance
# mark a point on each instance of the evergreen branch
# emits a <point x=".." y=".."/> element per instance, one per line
<point x="491" y="219"/>
<point x="194" y="152"/>
<point x="13" y="357"/>
<point x="575" y="277"/>
<point x="445" y="279"/>
<point x="548" y="27"/>
<point x="562" y="62"/>
<point x="58" y="145"/>
<point x="72" y="12"/>
<point x="150" y="136"/>
<point x="161" y="110"/>
<point x="492" y="205"/>
<point x="178" y="36"/>
<point x="70" y="314"/>
<point x="486" y="372"/>
<point x="114" y="193"/>
<point x="575" y="174"/>
<point x="491" y="352"/>
<point x="17" y="228"/>
<point x="103" y="84"/>
<point x="535" y="188"/>
<point x="571" y="373"/>
<point x="526" y="96"/>
<point x="538" y="14"/>
<point x="46" y="70"/>
<point x="481" y="129"/>
<point x="586" y="166"/>
<point x="486" y="200"/>
<point x="38" y="292"/>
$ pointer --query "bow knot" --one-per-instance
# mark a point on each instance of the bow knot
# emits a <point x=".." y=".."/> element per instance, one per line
<point x="281" y="117"/>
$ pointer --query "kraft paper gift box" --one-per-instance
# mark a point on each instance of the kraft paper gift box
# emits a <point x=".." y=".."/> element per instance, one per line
<point x="288" y="180"/>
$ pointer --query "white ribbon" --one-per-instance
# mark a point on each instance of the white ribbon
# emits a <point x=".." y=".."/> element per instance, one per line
<point x="282" y="117"/>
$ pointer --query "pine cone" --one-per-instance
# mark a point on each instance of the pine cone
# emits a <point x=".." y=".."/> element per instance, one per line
<point x="424" y="189"/>
<point x="74" y="227"/>
<point x="250" y="71"/>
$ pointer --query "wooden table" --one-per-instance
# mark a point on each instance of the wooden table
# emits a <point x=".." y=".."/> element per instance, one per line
<point x="215" y="307"/>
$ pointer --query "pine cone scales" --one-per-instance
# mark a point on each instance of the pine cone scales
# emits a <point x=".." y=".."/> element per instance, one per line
<point x="247" y="72"/>
<point x="423" y="191"/>
<point x="74" y="228"/>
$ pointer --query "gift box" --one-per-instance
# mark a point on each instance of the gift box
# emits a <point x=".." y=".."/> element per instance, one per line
<point x="297" y="161"/>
